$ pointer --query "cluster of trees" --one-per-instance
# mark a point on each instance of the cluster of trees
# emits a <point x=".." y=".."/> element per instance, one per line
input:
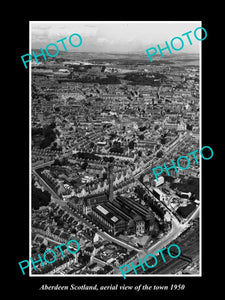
<point x="60" y="162"/>
<point x="150" y="201"/>
<point x="116" y="147"/>
<point x="159" y="154"/>
<point x="48" y="133"/>
<point x="56" y="147"/>
<point x="108" y="159"/>
<point x="156" y="208"/>
<point x="142" y="128"/>
<point x="49" y="267"/>
<point x="83" y="258"/>
<point x="131" y="145"/>
<point x="139" y="191"/>
<point x="58" y="220"/>
<point x="163" y="138"/>
<point x="84" y="165"/>
<point x="87" y="155"/>
<point x="37" y="131"/>
<point x="111" y="79"/>
<point x="39" y="198"/>
<point x="141" y="136"/>
<point x="187" y="185"/>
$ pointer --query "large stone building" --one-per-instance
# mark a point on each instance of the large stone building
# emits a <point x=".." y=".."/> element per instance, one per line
<point x="123" y="214"/>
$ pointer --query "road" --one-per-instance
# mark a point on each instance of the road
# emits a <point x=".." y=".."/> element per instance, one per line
<point x="175" y="231"/>
<point x="177" y="227"/>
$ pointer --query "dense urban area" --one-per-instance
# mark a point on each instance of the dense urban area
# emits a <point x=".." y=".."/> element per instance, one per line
<point x="99" y="124"/>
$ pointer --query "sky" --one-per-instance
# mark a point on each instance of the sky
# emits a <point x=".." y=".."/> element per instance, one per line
<point x="120" y="37"/>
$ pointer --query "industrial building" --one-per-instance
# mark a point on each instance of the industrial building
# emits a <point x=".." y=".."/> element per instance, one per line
<point x="159" y="181"/>
<point x="111" y="221"/>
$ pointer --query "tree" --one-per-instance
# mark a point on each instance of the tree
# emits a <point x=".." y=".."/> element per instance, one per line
<point x="159" y="153"/>
<point x="163" y="140"/>
<point x="104" y="176"/>
<point x="139" y="153"/>
<point x="131" y="145"/>
<point x="39" y="198"/>
<point x="49" y="135"/>
<point x="83" y="258"/>
<point x="42" y="248"/>
<point x="142" y="128"/>
<point x="58" y="220"/>
<point x="155" y="230"/>
<point x="37" y="131"/>
<point x="73" y="230"/>
<point x="149" y="153"/>
<point x="116" y="144"/>
<point x="189" y="127"/>
<point x="92" y="144"/>
<point x="57" y="162"/>
<point x="84" y="165"/>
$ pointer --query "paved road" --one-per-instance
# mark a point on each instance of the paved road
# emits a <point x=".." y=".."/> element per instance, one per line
<point x="176" y="230"/>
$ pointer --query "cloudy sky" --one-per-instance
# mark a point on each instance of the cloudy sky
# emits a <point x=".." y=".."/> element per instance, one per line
<point x="122" y="37"/>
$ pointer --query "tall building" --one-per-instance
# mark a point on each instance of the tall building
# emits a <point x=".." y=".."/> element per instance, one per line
<point x="110" y="179"/>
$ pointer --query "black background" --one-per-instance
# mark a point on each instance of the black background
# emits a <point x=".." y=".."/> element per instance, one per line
<point x="212" y="131"/>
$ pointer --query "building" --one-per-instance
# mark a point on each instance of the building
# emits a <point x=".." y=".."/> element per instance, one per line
<point x="123" y="214"/>
<point x="93" y="200"/>
<point x="133" y="206"/>
<point x="134" y="222"/>
<point x="159" y="194"/>
<point x="159" y="181"/>
<point x="107" y="217"/>
<point x="119" y="214"/>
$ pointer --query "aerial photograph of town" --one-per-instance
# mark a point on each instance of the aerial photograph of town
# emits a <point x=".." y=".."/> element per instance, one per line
<point x="102" y="116"/>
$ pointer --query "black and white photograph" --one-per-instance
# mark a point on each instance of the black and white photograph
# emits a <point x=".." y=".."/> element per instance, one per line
<point x="115" y="148"/>
<point x="117" y="156"/>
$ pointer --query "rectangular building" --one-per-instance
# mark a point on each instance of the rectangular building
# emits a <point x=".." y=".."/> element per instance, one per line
<point x="159" y="194"/>
<point x="159" y="181"/>
<point x="108" y="218"/>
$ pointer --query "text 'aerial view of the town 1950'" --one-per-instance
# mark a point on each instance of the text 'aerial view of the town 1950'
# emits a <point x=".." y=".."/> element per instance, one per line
<point x="103" y="115"/>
